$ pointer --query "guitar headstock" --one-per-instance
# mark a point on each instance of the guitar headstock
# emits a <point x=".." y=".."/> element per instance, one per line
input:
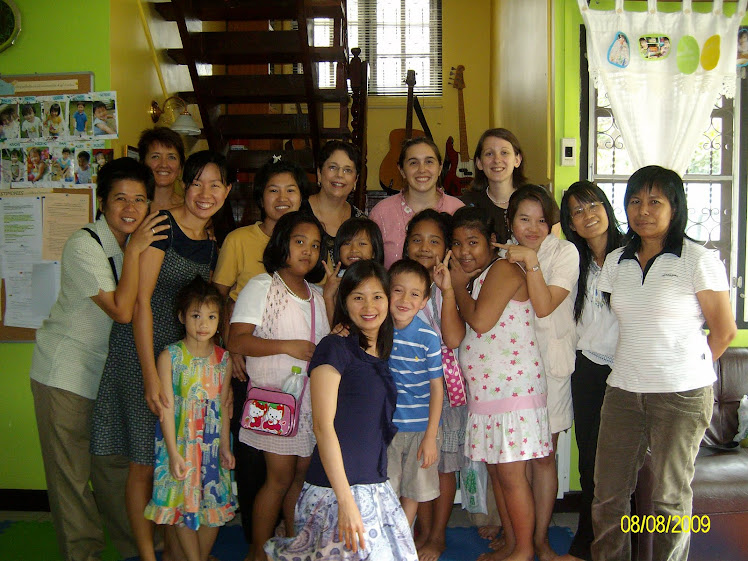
<point x="410" y="79"/>
<point x="456" y="79"/>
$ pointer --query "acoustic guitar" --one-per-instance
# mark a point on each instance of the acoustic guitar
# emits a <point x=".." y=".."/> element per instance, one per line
<point x="389" y="174"/>
<point x="460" y="167"/>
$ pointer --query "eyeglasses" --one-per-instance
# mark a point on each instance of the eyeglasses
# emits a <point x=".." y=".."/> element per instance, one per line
<point x="590" y="207"/>
<point x="333" y="169"/>
<point x="138" y="202"/>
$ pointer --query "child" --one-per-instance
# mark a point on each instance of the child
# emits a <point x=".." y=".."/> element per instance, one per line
<point x="277" y="322"/>
<point x="84" y="168"/>
<point x="53" y="124"/>
<point x="37" y="167"/>
<point x="66" y="165"/>
<point x="507" y="415"/>
<point x="100" y="125"/>
<point x="191" y="478"/>
<point x="32" y="125"/>
<point x="279" y="188"/>
<point x="16" y="167"/>
<point x="100" y="160"/>
<point x="357" y="239"/>
<point x="415" y="362"/>
<point x="427" y="239"/>
<point x="347" y="509"/>
<point x="552" y="267"/>
<point x="80" y="119"/>
<point x="9" y="122"/>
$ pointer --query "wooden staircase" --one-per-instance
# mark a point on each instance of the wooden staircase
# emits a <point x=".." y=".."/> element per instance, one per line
<point x="262" y="96"/>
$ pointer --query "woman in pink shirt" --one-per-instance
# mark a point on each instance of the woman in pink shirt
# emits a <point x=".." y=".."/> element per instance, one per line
<point x="420" y="164"/>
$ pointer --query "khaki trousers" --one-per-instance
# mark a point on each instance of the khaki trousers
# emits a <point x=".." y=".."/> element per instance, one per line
<point x="63" y="420"/>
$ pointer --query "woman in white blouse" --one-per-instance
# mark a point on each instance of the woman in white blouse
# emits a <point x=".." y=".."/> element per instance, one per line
<point x="588" y="221"/>
<point x="662" y="286"/>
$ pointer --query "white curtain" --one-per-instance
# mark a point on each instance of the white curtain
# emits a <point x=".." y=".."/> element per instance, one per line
<point x="663" y="72"/>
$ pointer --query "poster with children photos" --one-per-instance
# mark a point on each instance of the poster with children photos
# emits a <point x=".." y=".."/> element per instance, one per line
<point x="104" y="108"/>
<point x="80" y="109"/>
<point x="54" y="116"/>
<point x="10" y="126"/>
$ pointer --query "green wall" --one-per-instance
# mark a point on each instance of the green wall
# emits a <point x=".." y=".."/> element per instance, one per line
<point x="56" y="36"/>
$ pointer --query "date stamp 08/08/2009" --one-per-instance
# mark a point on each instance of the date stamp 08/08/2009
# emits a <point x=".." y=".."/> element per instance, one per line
<point x="660" y="524"/>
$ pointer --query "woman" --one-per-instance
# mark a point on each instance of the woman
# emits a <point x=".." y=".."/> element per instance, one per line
<point x="589" y="222"/>
<point x="71" y="348"/>
<point x="162" y="150"/>
<point x="500" y="170"/>
<point x="125" y="421"/>
<point x="662" y="286"/>
<point x="337" y="173"/>
<point x="420" y="164"/>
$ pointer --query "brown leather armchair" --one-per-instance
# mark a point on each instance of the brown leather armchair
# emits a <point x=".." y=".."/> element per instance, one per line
<point x="720" y="484"/>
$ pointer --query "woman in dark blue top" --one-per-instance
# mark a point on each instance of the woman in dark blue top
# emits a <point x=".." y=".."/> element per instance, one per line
<point x="347" y="508"/>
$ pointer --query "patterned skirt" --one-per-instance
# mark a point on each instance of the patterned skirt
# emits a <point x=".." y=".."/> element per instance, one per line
<point x="387" y="534"/>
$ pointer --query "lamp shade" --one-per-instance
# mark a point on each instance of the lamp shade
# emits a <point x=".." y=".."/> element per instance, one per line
<point x="185" y="124"/>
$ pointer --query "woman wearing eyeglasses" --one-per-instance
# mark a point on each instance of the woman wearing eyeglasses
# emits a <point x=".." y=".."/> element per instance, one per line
<point x="420" y="164"/>
<point x="337" y="175"/>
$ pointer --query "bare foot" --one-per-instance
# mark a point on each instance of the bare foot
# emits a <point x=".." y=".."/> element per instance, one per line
<point x="497" y="543"/>
<point x="489" y="532"/>
<point x="544" y="552"/>
<point x="501" y="553"/>
<point x="432" y="550"/>
<point x="420" y="539"/>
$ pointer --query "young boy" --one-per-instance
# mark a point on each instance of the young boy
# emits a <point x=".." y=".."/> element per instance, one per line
<point x="100" y="125"/>
<point x="416" y="367"/>
<point x="80" y="119"/>
<point x="66" y="165"/>
<point x="84" y="167"/>
<point x="32" y="125"/>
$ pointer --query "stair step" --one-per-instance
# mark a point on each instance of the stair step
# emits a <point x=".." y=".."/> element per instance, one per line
<point x="274" y="88"/>
<point x="253" y="47"/>
<point x="251" y="160"/>
<point x="272" y="126"/>
<point x="250" y="10"/>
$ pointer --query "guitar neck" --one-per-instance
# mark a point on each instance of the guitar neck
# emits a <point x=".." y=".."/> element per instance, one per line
<point x="409" y="114"/>
<point x="464" y="153"/>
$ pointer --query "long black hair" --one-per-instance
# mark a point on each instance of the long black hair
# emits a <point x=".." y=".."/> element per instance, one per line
<point x="279" y="247"/>
<point x="353" y="277"/>
<point x="586" y="192"/>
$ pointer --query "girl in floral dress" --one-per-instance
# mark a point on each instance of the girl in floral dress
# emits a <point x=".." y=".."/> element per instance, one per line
<point x="192" y="481"/>
<point x="507" y="416"/>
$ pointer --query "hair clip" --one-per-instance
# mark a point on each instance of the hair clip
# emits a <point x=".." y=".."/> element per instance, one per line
<point x="277" y="158"/>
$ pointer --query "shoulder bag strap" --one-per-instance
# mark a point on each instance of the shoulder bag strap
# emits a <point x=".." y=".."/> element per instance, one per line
<point x="96" y="237"/>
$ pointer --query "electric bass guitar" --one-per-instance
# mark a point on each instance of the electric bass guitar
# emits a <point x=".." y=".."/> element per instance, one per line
<point x="389" y="174"/>
<point x="461" y="172"/>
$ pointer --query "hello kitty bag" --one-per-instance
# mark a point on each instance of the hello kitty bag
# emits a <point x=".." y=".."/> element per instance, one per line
<point x="273" y="411"/>
<point x="453" y="379"/>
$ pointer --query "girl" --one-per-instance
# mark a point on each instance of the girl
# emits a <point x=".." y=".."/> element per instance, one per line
<point x="420" y="165"/>
<point x="347" y="509"/>
<point x="500" y="170"/>
<point x="507" y="416"/>
<point x="588" y="222"/>
<point x="427" y="239"/>
<point x="37" y="165"/>
<point x="277" y="322"/>
<point x="99" y="284"/>
<point x="358" y="239"/>
<point x="131" y="394"/>
<point x="192" y="481"/>
<point x="279" y="188"/>
<point x="53" y="124"/>
<point x="552" y="267"/>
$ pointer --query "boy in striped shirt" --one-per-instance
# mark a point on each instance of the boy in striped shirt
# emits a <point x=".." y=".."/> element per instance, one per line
<point x="416" y="366"/>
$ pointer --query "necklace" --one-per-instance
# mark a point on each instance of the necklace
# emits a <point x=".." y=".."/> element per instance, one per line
<point x="307" y="299"/>
<point x="494" y="201"/>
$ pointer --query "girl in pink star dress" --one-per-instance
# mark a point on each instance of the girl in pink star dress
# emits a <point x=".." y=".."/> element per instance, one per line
<point x="507" y="415"/>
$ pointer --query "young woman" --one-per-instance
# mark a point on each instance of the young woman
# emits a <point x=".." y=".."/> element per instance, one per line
<point x="588" y="222"/>
<point x="420" y="164"/>
<point x="500" y="170"/>
<point x="663" y="287"/>
<point x="71" y="349"/>
<point x="130" y="397"/>
<point x="347" y="509"/>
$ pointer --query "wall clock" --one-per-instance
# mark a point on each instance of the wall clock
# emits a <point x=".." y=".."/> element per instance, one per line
<point x="10" y="23"/>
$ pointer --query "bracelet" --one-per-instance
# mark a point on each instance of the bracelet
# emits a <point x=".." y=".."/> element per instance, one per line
<point x="534" y="269"/>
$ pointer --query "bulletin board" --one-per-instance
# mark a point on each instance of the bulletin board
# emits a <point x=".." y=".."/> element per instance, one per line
<point x="56" y="229"/>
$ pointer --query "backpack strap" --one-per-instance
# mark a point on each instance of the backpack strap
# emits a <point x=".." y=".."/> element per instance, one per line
<point x="95" y="236"/>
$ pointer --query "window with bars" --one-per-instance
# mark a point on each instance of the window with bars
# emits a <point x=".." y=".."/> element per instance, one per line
<point x="394" y="36"/>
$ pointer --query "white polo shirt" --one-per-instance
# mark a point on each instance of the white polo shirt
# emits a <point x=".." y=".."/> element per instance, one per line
<point x="662" y="347"/>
